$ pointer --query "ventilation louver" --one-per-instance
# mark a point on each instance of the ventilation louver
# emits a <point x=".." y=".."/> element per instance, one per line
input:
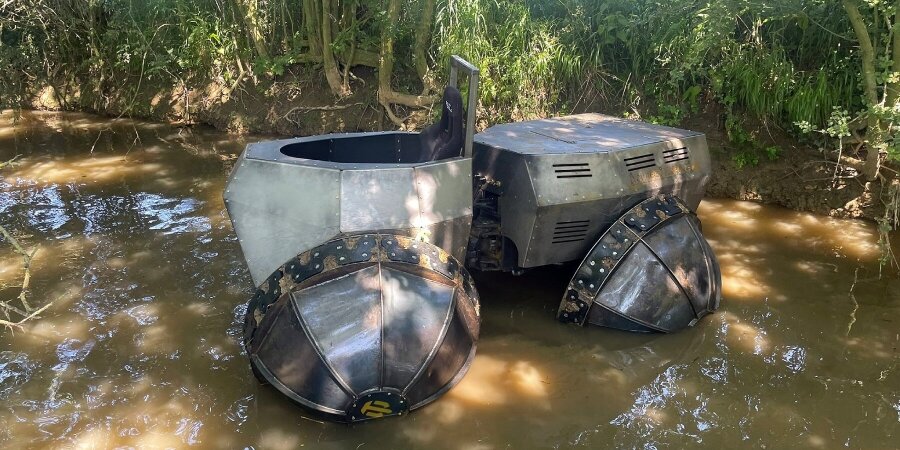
<point x="570" y="231"/>
<point x="640" y="162"/>
<point x="573" y="170"/>
<point x="676" y="154"/>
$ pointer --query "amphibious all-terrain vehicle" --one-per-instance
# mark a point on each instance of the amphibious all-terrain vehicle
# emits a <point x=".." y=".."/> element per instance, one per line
<point x="360" y="244"/>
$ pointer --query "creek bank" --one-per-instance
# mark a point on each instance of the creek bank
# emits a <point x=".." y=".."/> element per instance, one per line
<point x="301" y="104"/>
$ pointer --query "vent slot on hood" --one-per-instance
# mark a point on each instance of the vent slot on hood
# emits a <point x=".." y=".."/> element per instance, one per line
<point x="676" y="154"/>
<point x="570" y="231"/>
<point x="572" y="170"/>
<point x="640" y="162"/>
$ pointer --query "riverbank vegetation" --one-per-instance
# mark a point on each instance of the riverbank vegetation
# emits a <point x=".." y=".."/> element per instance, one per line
<point x="823" y="72"/>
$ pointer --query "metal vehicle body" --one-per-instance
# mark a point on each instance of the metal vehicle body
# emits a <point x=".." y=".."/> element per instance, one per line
<point x="359" y="245"/>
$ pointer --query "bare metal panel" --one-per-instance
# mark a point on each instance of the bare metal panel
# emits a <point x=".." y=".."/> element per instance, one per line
<point x="451" y="235"/>
<point x="281" y="205"/>
<point x="518" y="207"/>
<point x="358" y="320"/>
<point x="679" y="248"/>
<point x="450" y="359"/>
<point x="566" y="232"/>
<point x="279" y="210"/>
<point x="643" y="290"/>
<point x="582" y="133"/>
<point x="343" y="317"/>
<point x="379" y="199"/>
<point x="444" y="189"/>
<point x="584" y="167"/>
<point x="416" y="312"/>
<point x="288" y="355"/>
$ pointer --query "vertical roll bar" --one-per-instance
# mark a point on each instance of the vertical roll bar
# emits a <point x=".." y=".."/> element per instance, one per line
<point x="458" y="64"/>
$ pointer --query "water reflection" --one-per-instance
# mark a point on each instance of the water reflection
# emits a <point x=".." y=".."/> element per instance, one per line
<point x="141" y="346"/>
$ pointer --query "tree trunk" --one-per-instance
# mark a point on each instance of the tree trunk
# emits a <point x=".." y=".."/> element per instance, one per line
<point x="874" y="133"/>
<point x="386" y="94"/>
<point x="250" y="10"/>
<point x="423" y="40"/>
<point x="893" y="87"/>
<point x="331" y="71"/>
<point x="311" y="17"/>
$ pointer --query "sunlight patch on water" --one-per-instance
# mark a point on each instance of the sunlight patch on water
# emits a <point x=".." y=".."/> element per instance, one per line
<point x="797" y="230"/>
<point x="97" y="169"/>
<point x="744" y="336"/>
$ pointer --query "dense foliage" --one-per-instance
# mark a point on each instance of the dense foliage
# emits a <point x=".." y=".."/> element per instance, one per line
<point x="800" y="64"/>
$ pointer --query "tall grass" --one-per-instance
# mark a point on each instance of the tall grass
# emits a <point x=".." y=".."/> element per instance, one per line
<point x="522" y="59"/>
<point x="785" y="62"/>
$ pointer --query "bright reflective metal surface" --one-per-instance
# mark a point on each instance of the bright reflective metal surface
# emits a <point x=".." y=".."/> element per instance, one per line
<point x="142" y="347"/>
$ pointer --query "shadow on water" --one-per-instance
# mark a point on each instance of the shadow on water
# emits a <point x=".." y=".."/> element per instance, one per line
<point x="148" y="283"/>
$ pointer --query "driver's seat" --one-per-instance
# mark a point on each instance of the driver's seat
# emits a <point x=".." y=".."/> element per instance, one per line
<point x="444" y="139"/>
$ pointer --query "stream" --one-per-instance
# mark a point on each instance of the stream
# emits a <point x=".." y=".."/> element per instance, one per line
<point x="140" y="348"/>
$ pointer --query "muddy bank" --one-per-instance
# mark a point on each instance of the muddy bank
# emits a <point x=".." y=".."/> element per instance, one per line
<point x="297" y="104"/>
<point x="300" y="104"/>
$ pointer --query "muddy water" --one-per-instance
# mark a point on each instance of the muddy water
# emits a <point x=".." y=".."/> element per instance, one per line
<point x="140" y="346"/>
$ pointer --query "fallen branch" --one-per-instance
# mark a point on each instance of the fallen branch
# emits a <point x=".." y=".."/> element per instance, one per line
<point x="20" y="323"/>
<point x="6" y="163"/>
<point x="26" y="259"/>
<point x="26" y="310"/>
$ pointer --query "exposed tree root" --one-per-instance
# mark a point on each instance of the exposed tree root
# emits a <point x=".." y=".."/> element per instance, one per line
<point x="387" y="96"/>
<point x="287" y="115"/>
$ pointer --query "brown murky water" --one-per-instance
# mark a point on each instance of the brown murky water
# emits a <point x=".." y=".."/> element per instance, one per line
<point x="140" y="348"/>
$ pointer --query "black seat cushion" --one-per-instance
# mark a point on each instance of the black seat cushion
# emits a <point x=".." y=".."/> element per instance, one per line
<point x="445" y="139"/>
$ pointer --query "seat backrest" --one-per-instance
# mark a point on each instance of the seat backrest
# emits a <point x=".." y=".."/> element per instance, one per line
<point x="444" y="139"/>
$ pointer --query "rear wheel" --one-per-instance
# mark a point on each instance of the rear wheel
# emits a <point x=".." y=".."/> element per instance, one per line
<point x="651" y="271"/>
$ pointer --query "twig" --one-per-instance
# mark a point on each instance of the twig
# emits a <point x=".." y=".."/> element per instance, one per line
<point x="19" y="324"/>
<point x="12" y="308"/>
<point x="855" y="303"/>
<point x="6" y="163"/>
<point x="97" y="140"/>
<point x="26" y="259"/>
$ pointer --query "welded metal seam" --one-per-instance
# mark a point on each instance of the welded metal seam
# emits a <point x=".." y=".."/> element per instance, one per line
<point x="437" y="346"/>
<point x="640" y="236"/>
<point x="463" y="370"/>
<point x="609" y="275"/>
<point x="672" y="274"/>
<point x="381" y="296"/>
<point x="274" y="381"/>
<point x="321" y="354"/>
<point x="713" y="270"/>
<point x="631" y="319"/>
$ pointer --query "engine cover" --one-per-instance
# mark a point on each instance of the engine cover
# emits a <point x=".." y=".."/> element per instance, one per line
<point x="563" y="181"/>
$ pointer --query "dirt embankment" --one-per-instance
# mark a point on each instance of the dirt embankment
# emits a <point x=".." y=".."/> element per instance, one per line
<point x="297" y="104"/>
<point x="800" y="178"/>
